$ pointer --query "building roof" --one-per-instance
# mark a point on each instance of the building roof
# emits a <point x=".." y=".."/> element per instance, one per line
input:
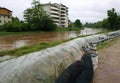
<point x="55" y="4"/>
<point x="5" y="9"/>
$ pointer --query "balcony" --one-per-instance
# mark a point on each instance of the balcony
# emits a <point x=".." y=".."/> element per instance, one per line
<point x="63" y="8"/>
<point x="55" y="16"/>
<point x="63" y="15"/>
<point x="62" y="19"/>
<point x="56" y="21"/>
<point x="54" y="13"/>
<point x="54" y="8"/>
<point x="63" y="11"/>
<point x="55" y="5"/>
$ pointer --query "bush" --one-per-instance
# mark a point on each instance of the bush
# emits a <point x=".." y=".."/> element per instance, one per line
<point x="1" y="28"/>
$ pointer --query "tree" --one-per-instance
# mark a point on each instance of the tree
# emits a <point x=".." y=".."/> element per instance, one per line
<point x="34" y="14"/>
<point x="78" y="23"/>
<point x="15" y="26"/>
<point x="112" y="22"/>
<point x="37" y="17"/>
<point x="71" y="25"/>
<point x="28" y="15"/>
<point x="12" y="26"/>
<point x="112" y="19"/>
<point x="105" y="24"/>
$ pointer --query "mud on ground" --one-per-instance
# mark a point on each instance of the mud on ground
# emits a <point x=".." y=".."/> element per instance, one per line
<point x="109" y="64"/>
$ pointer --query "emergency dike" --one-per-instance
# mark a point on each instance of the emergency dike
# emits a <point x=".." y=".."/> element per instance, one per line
<point x="46" y="65"/>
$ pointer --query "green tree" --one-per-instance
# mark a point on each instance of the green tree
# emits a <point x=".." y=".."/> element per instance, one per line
<point x="12" y="26"/>
<point x="37" y="18"/>
<point x="34" y="14"/>
<point x="28" y="15"/>
<point x="112" y="19"/>
<point x="15" y="26"/>
<point x="71" y="25"/>
<point x="105" y="24"/>
<point x="78" y="23"/>
<point x="112" y="22"/>
<point x="118" y="22"/>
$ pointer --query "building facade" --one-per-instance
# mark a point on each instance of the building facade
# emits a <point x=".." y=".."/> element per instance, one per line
<point x="5" y="15"/>
<point x="58" y="12"/>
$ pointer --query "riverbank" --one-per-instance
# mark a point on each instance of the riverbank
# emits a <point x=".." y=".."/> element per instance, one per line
<point x="36" y="47"/>
<point x="18" y="33"/>
<point x="32" y="48"/>
<point x="109" y="59"/>
<point x="33" y="32"/>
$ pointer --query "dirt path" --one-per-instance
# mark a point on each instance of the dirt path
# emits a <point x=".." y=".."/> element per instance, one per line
<point x="109" y="65"/>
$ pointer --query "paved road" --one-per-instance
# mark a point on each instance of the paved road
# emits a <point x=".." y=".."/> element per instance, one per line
<point x="109" y="65"/>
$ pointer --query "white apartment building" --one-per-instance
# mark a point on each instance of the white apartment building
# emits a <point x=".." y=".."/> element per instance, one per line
<point x="5" y="15"/>
<point x="58" y="12"/>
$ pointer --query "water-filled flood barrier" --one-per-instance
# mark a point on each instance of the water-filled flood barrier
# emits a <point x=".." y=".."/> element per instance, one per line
<point x="46" y="65"/>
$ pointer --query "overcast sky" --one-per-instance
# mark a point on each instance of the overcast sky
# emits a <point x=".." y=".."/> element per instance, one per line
<point x="85" y="10"/>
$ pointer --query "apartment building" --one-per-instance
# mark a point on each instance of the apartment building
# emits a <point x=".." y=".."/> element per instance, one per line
<point x="58" y="12"/>
<point x="5" y="15"/>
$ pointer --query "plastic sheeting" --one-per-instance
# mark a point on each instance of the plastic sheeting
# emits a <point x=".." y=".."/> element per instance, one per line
<point x="6" y="57"/>
<point x="44" y="66"/>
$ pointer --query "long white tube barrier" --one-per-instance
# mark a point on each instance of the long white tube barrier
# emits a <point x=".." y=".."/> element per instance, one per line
<point x="46" y="65"/>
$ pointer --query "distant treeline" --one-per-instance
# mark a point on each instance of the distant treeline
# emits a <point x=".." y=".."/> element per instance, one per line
<point x="112" y="22"/>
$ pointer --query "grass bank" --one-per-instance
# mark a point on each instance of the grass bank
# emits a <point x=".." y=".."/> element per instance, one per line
<point x="16" y="33"/>
<point x="107" y="43"/>
<point x="32" y="48"/>
<point x="67" y="29"/>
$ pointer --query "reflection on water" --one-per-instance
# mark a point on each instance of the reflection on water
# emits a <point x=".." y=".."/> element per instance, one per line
<point x="10" y="42"/>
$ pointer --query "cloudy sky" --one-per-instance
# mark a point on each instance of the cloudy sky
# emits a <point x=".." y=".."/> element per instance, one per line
<point x="85" y="10"/>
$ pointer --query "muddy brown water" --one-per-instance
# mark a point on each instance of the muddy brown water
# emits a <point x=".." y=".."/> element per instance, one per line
<point x="16" y="41"/>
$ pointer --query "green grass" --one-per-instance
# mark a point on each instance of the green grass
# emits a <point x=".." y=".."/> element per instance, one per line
<point x="32" y="48"/>
<point x="107" y="43"/>
<point x="67" y="29"/>
<point x="105" y="31"/>
<point x="17" y="33"/>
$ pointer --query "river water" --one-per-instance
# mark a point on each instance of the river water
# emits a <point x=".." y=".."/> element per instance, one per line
<point x="16" y="41"/>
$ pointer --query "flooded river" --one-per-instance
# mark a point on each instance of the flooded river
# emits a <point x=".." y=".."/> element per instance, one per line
<point x="15" y="41"/>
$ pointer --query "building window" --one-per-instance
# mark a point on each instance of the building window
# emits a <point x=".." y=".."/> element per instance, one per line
<point x="8" y="16"/>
